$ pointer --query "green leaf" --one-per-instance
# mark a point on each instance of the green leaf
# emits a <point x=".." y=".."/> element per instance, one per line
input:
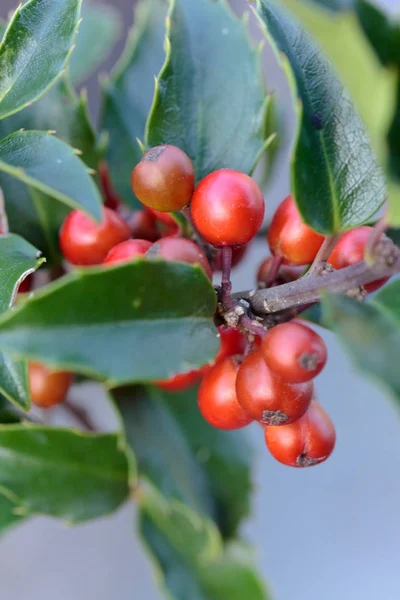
<point x="156" y="322"/>
<point x="382" y="31"/>
<point x="17" y="259"/>
<point x="63" y="473"/>
<point x="209" y="97"/>
<point x="336" y="179"/>
<point x="8" y="412"/>
<point x="370" y="333"/>
<point x="8" y="518"/>
<point x="394" y="235"/>
<point x="190" y="553"/>
<point x="393" y="140"/>
<point x="129" y="93"/>
<point x="208" y="469"/>
<point x="35" y="49"/>
<point x="334" y="5"/>
<point x="47" y="164"/>
<point x="99" y="31"/>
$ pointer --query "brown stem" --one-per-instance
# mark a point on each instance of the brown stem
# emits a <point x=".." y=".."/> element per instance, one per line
<point x="79" y="415"/>
<point x="276" y="263"/>
<point x="323" y="254"/>
<point x="376" y="234"/>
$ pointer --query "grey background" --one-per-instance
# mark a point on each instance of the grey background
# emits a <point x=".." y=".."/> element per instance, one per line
<point x="327" y="533"/>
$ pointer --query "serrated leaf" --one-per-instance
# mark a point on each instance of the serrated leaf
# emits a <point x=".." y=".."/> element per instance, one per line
<point x="208" y="469"/>
<point x="157" y="321"/>
<point x="17" y="259"/>
<point x="99" y="31"/>
<point x="49" y="165"/>
<point x="370" y="333"/>
<point x="8" y="518"/>
<point x="129" y="92"/>
<point x="63" y="473"/>
<point x="190" y="553"/>
<point x="336" y="179"/>
<point x="35" y="49"/>
<point x="209" y="98"/>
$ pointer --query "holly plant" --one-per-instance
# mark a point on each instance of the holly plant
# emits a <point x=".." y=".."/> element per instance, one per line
<point x="116" y="249"/>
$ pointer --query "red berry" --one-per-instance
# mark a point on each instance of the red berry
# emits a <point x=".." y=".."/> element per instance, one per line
<point x="48" y="387"/>
<point x="164" y="179"/>
<point x="111" y="199"/>
<point x="180" y="382"/>
<point x="237" y="255"/>
<point x="268" y="398"/>
<point x="183" y="250"/>
<point x="26" y="285"/>
<point x="232" y="343"/>
<point x="84" y="242"/>
<point x="294" y="352"/>
<point x="350" y="249"/>
<point x="167" y="226"/>
<point x="227" y="208"/>
<point x="217" y="397"/>
<point x="127" y="250"/>
<point x="290" y="238"/>
<point x="305" y="443"/>
<point x="143" y="226"/>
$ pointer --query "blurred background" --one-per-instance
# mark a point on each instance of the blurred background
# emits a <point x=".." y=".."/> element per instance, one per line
<point x="327" y="533"/>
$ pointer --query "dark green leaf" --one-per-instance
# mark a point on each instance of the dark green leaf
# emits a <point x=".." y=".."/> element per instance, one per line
<point x="209" y="98"/>
<point x="370" y="333"/>
<point x="98" y="32"/>
<point x="187" y="459"/>
<point x="63" y="473"/>
<point x="8" y="517"/>
<point x="394" y="235"/>
<point x="35" y="50"/>
<point x="335" y="177"/>
<point x="382" y="32"/>
<point x="191" y="555"/>
<point x="17" y="259"/>
<point x="128" y="94"/>
<point x="156" y="322"/>
<point x="47" y="164"/>
<point x="8" y="412"/>
<point x="393" y="140"/>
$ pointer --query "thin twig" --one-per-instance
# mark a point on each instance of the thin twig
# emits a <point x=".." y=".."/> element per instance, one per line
<point x="323" y="254"/>
<point x="226" y="285"/>
<point x="80" y="415"/>
<point x="377" y="232"/>
<point x="275" y="265"/>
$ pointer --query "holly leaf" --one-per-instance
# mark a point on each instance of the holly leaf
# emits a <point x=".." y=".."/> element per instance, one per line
<point x="206" y="468"/>
<point x="49" y="165"/>
<point x="382" y="31"/>
<point x="336" y="179"/>
<point x="370" y="333"/>
<point x="190" y="553"/>
<point x="18" y="259"/>
<point x="34" y="50"/>
<point x="8" y="517"/>
<point x="217" y="130"/>
<point x="128" y="94"/>
<point x="99" y="31"/>
<point x="63" y="473"/>
<point x="158" y="321"/>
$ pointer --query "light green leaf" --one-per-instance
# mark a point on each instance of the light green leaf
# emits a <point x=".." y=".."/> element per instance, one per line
<point x="35" y="49"/>
<point x="336" y="179"/>
<point x="129" y="93"/>
<point x="209" y="97"/>
<point x="370" y="333"/>
<point x="99" y="31"/>
<point x="190" y="553"/>
<point x="47" y="164"/>
<point x="63" y="473"/>
<point x="157" y="321"/>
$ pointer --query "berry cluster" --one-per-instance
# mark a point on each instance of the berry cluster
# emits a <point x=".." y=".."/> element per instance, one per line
<point x="261" y="373"/>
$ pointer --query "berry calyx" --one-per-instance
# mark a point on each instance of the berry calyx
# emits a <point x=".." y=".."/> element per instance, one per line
<point x="290" y="238"/>
<point x="164" y="179"/>
<point x="47" y="387"/>
<point x="217" y="398"/>
<point x="294" y="352"/>
<point x="143" y="226"/>
<point x="182" y="381"/>
<point x="305" y="443"/>
<point x="268" y="398"/>
<point x="127" y="250"/>
<point x="227" y="208"/>
<point x="180" y="249"/>
<point x="84" y="242"/>
<point x="350" y="250"/>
